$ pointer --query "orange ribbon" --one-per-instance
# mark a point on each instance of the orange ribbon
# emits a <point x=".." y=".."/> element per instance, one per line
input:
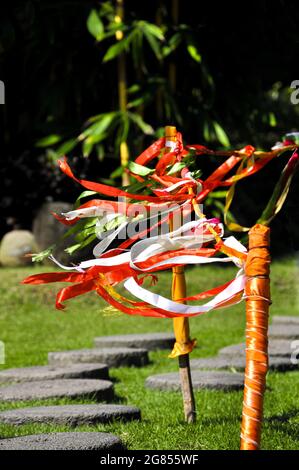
<point x="257" y="294"/>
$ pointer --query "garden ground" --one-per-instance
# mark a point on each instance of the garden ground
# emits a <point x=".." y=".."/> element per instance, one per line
<point x="31" y="327"/>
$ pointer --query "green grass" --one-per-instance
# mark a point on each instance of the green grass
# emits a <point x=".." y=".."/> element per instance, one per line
<point x="31" y="327"/>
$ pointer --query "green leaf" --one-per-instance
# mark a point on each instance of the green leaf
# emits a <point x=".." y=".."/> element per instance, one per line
<point x="100" y="152"/>
<point x="136" y="187"/>
<point x="95" y="25"/>
<point x="154" y="44"/>
<point x="118" y="48"/>
<point x="38" y="257"/>
<point x="193" y="51"/>
<point x="97" y="131"/>
<point x="139" y="169"/>
<point x="115" y="223"/>
<point x="146" y="128"/>
<point x="87" y="148"/>
<point x="172" y="45"/>
<point x="272" y="120"/>
<point x="154" y="30"/>
<point x="79" y="246"/>
<point x="221" y="134"/>
<point x="117" y="173"/>
<point x="82" y="235"/>
<point x="133" y="89"/>
<point x="66" y="147"/>
<point x="102" y="124"/>
<point x="49" y="140"/>
<point x="218" y="194"/>
<point x="85" y="194"/>
<point x="207" y="131"/>
<point x="178" y="166"/>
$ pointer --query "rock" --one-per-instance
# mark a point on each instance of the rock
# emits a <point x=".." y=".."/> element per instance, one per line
<point x="283" y="331"/>
<point x="100" y="390"/>
<point x="276" y="363"/>
<point x="149" y="341"/>
<point x="200" y="379"/>
<point x="71" y="415"/>
<point x="72" y="371"/>
<point x="277" y="347"/>
<point x="15" y="245"/>
<point x="64" y="441"/>
<point x="48" y="231"/>
<point x="113" y="357"/>
<point x="277" y="319"/>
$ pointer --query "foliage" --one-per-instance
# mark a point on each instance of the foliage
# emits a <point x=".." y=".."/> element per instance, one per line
<point x="232" y="88"/>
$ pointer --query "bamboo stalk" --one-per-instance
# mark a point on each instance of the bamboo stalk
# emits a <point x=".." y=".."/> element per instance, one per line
<point x="172" y="65"/>
<point x="181" y="324"/>
<point x="257" y="292"/>
<point x="122" y="90"/>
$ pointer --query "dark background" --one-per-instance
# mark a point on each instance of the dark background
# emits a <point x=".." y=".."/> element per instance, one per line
<point x="55" y="79"/>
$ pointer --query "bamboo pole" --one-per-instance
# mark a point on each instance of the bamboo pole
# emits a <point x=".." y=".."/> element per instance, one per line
<point x="257" y="293"/>
<point x="172" y="65"/>
<point x="122" y="90"/>
<point x="183" y="343"/>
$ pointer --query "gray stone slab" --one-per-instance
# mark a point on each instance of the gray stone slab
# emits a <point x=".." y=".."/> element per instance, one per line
<point x="72" y="371"/>
<point x="71" y="415"/>
<point x="64" y="441"/>
<point x="283" y="331"/>
<point x="61" y="388"/>
<point x="113" y="357"/>
<point x="285" y="320"/>
<point x="276" y="363"/>
<point x="277" y="347"/>
<point x="201" y="380"/>
<point x="149" y="341"/>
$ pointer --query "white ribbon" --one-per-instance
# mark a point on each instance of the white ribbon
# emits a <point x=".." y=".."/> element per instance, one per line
<point x="163" y="303"/>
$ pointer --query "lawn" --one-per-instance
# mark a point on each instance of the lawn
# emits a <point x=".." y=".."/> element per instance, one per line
<point x="31" y="327"/>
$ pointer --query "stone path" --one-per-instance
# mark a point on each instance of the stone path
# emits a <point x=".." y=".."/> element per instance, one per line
<point x="64" y="441"/>
<point x="200" y="379"/>
<point x="72" y="371"/>
<point x="100" y="390"/>
<point x="277" y="347"/>
<point x="238" y="363"/>
<point x="113" y="357"/>
<point x="84" y="373"/>
<point x="284" y="331"/>
<point x="277" y="319"/>
<point x="149" y="341"/>
<point x="71" y="415"/>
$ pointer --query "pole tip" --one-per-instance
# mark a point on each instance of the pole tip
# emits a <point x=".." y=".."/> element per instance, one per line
<point x="170" y="131"/>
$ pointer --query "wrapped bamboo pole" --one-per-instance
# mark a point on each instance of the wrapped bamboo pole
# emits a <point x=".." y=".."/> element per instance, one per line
<point x="257" y="293"/>
<point x="183" y="344"/>
<point x="122" y="89"/>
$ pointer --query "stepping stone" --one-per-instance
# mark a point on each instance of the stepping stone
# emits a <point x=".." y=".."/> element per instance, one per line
<point x="277" y="347"/>
<point x="283" y="331"/>
<point x="277" y="319"/>
<point x="238" y="363"/>
<point x="61" y="388"/>
<point x="200" y="379"/>
<point x="149" y="341"/>
<point x="71" y="415"/>
<point x="64" y="441"/>
<point x="113" y="357"/>
<point x="73" y="371"/>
